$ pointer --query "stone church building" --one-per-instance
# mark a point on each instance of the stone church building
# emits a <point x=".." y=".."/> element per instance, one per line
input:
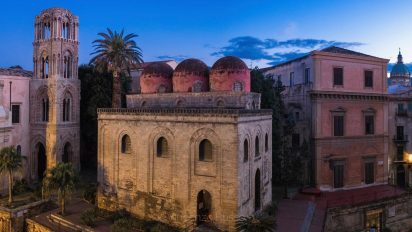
<point x="39" y="110"/>
<point x="193" y="146"/>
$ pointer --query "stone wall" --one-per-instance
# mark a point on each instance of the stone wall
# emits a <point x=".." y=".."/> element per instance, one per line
<point x="397" y="215"/>
<point x="240" y="100"/>
<point x="166" y="188"/>
<point x="12" y="220"/>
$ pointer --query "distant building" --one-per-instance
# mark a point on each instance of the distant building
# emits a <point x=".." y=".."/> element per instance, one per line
<point x="193" y="145"/>
<point x="400" y="124"/>
<point x="400" y="74"/>
<point x="338" y="100"/>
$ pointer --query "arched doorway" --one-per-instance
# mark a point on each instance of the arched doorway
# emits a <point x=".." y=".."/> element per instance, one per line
<point x="257" y="190"/>
<point x="41" y="160"/>
<point x="204" y="207"/>
<point x="67" y="153"/>
<point x="400" y="175"/>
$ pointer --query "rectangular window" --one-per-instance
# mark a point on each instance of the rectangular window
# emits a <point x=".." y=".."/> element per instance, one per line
<point x="307" y="75"/>
<point x="15" y="113"/>
<point x="399" y="153"/>
<point x="399" y="133"/>
<point x="369" y="173"/>
<point x="295" y="140"/>
<point x="297" y="116"/>
<point x="369" y="125"/>
<point x="337" y="76"/>
<point x="338" y="125"/>
<point x="338" y="175"/>
<point x="368" y="78"/>
<point x="291" y="81"/>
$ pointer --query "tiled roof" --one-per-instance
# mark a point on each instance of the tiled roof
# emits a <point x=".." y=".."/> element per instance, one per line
<point x="331" y="49"/>
<point x="334" y="49"/>
<point x="15" y="71"/>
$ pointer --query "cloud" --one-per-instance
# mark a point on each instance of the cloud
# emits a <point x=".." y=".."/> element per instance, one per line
<point x="273" y="51"/>
<point x="177" y="58"/>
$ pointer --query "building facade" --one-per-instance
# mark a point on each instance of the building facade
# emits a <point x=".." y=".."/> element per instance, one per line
<point x="400" y="124"/>
<point x="181" y="156"/>
<point x="55" y="92"/>
<point x="39" y="110"/>
<point x="338" y="100"/>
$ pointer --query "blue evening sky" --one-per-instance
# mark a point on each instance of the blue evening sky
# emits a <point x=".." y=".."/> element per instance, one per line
<point x="262" y="32"/>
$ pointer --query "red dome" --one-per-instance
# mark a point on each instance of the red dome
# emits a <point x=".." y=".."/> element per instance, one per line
<point x="156" y="78"/>
<point x="191" y="75"/>
<point x="230" y="74"/>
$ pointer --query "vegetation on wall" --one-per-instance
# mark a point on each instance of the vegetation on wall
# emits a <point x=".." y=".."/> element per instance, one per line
<point x="95" y="93"/>
<point x="286" y="160"/>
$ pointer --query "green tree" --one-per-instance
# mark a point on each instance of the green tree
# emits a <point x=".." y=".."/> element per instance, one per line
<point x="286" y="163"/>
<point x="95" y="93"/>
<point x="62" y="178"/>
<point x="116" y="52"/>
<point x="10" y="162"/>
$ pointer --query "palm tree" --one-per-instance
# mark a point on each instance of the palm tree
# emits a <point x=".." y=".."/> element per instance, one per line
<point x="61" y="178"/>
<point x="10" y="162"/>
<point x="115" y="52"/>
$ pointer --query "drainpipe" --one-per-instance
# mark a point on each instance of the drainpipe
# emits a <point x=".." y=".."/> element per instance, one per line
<point x="10" y="96"/>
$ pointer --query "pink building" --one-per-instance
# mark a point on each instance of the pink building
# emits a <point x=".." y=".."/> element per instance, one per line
<point x="339" y="102"/>
<point x="14" y="113"/>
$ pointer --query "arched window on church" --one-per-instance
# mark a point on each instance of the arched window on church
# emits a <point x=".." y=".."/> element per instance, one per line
<point x="245" y="151"/>
<point x="205" y="150"/>
<point x="46" y="30"/>
<point x="66" y="109"/>
<point x="67" y="65"/>
<point x="161" y="147"/>
<point x="18" y="149"/>
<point x="44" y="69"/>
<point x="66" y="31"/>
<point x="45" y="109"/>
<point x="257" y="151"/>
<point x="126" y="146"/>
<point x="266" y="142"/>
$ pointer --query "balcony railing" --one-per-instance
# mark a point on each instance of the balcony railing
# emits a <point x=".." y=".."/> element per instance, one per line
<point x="400" y="138"/>
<point x="401" y="113"/>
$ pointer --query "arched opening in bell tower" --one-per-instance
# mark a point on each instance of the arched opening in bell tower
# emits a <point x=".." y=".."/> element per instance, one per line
<point x="67" y="153"/>
<point x="41" y="160"/>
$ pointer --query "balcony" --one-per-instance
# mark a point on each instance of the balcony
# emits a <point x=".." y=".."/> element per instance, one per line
<point x="400" y="138"/>
<point x="401" y="113"/>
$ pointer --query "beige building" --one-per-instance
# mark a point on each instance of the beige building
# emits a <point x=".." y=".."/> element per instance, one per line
<point x="54" y="92"/>
<point x="185" y="157"/>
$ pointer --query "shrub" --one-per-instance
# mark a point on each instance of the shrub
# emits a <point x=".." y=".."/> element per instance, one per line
<point x="260" y="222"/>
<point x="89" y="193"/>
<point x="21" y="186"/>
<point x="124" y="225"/>
<point x="160" y="227"/>
<point x="89" y="217"/>
<point x="120" y="214"/>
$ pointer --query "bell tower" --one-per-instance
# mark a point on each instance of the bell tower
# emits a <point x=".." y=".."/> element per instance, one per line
<point x="55" y="91"/>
